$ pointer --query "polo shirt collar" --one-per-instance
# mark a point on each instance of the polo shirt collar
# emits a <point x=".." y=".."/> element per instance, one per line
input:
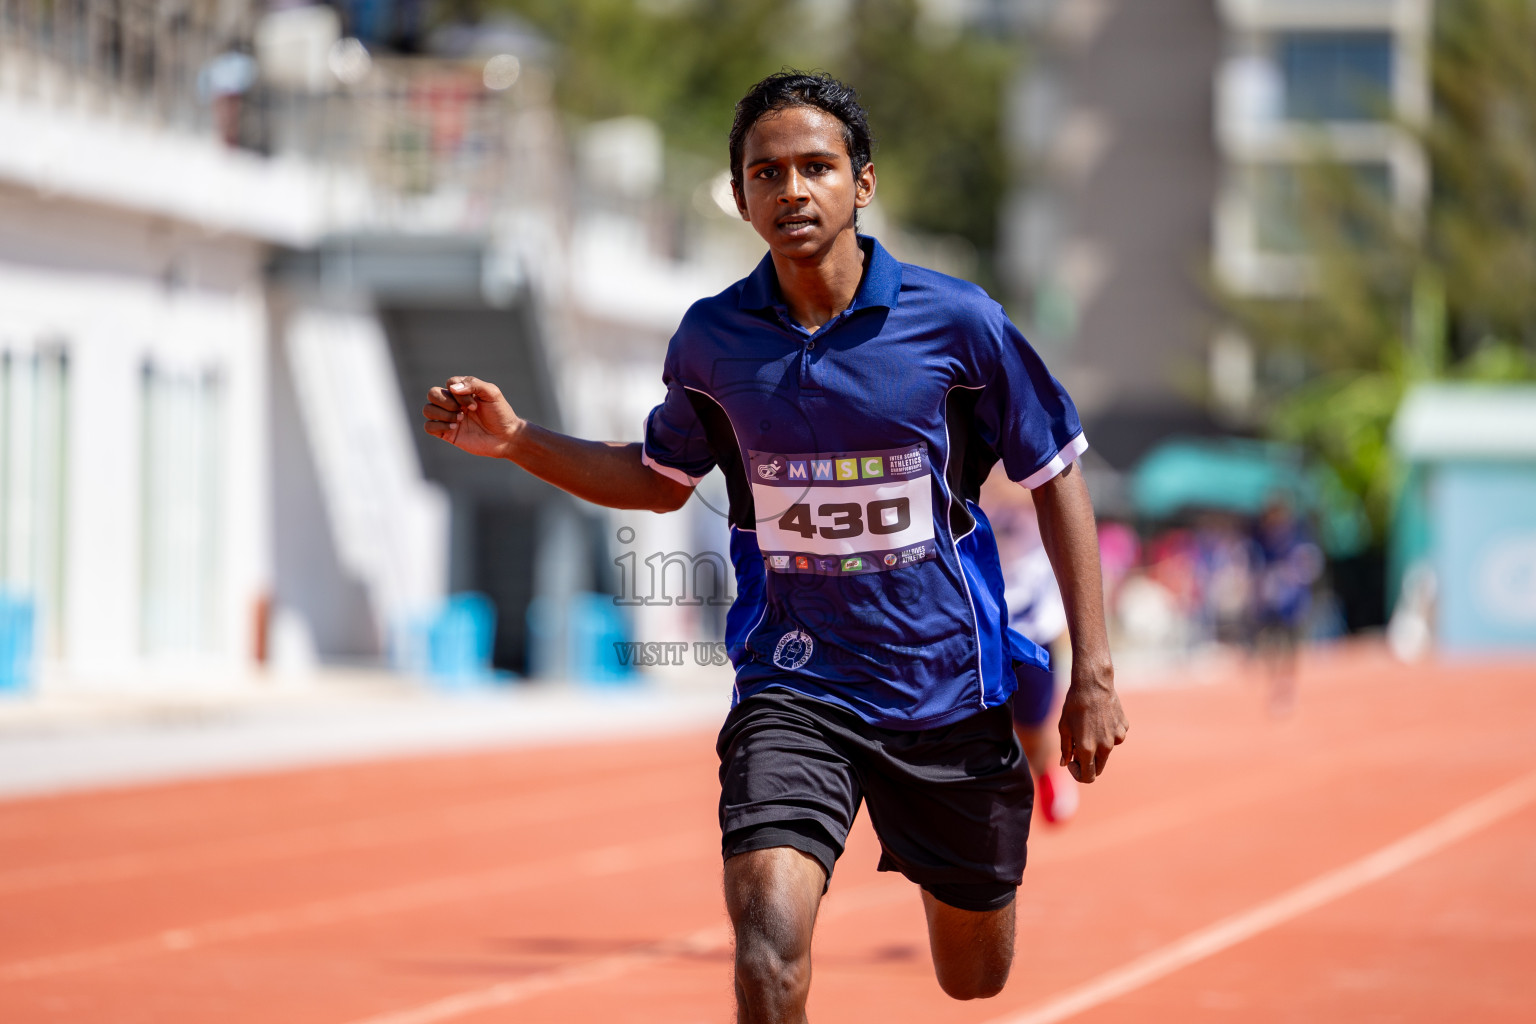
<point x="881" y="285"/>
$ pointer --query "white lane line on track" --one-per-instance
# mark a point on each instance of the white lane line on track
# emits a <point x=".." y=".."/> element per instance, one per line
<point x="606" y="860"/>
<point x="472" y="817"/>
<point x="1199" y="804"/>
<point x="465" y="818"/>
<point x="705" y="940"/>
<point x="1465" y="821"/>
<point x="369" y="904"/>
<point x="1459" y="824"/>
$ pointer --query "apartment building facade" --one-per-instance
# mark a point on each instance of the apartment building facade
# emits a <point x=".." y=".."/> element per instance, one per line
<point x="1159" y="145"/>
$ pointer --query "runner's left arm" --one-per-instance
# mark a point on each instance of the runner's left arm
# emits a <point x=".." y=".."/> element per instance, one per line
<point x="1092" y="721"/>
<point x="473" y="415"/>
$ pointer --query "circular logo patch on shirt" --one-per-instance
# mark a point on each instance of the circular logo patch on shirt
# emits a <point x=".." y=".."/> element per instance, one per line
<point x="793" y="650"/>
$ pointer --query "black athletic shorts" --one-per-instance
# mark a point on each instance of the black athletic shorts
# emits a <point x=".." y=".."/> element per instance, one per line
<point x="950" y="805"/>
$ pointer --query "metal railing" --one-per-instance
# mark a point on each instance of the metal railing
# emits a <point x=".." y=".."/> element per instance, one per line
<point x="135" y="58"/>
<point x="419" y="129"/>
<point x="423" y="132"/>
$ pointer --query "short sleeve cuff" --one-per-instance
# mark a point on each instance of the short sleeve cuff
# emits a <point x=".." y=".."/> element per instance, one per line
<point x="1068" y="454"/>
<point x="668" y="472"/>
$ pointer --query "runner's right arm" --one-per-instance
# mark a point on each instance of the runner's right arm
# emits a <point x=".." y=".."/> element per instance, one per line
<point x="473" y="415"/>
<point x="1092" y="721"/>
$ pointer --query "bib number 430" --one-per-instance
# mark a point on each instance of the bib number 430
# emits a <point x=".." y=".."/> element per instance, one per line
<point x="849" y="519"/>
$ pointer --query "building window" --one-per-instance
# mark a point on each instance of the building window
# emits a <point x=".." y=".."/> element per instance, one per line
<point x="180" y="511"/>
<point x="1279" y="219"/>
<point x="1336" y="76"/>
<point x="33" y="483"/>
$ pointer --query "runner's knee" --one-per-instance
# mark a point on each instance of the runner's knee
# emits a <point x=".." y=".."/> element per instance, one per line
<point x="972" y="981"/>
<point x="972" y="950"/>
<point x="976" y="973"/>
<point x="772" y="897"/>
<point x="772" y="972"/>
<point x="773" y="948"/>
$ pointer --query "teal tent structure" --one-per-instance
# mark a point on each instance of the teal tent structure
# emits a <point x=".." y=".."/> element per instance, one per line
<point x="1240" y="476"/>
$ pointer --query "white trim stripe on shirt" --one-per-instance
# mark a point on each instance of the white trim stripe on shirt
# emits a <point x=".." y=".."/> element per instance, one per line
<point x="1061" y="460"/>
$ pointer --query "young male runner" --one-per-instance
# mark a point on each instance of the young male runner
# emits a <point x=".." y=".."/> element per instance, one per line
<point x="854" y="405"/>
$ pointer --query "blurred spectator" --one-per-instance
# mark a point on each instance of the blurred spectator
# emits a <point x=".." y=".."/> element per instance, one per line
<point x="1119" y="553"/>
<point x="1224" y="578"/>
<point x="1411" y="632"/>
<point x="1173" y="559"/>
<point x="222" y="83"/>
<point x="1148" y="614"/>
<point x="1287" y="563"/>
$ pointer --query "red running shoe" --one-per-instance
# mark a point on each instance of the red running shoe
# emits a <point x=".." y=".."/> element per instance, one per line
<point x="1057" y="793"/>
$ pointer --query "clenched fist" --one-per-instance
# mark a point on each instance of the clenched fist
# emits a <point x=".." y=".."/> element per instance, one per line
<point x="472" y="414"/>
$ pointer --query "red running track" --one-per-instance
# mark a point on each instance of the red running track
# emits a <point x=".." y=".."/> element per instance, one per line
<point x="1371" y="857"/>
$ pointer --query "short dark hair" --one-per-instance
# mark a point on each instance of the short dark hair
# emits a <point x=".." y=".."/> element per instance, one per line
<point x="789" y="88"/>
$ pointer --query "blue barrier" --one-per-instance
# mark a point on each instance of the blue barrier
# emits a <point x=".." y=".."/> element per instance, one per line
<point x="596" y="630"/>
<point x="459" y="641"/>
<point x="451" y="646"/>
<point x="577" y="639"/>
<point x="18" y="625"/>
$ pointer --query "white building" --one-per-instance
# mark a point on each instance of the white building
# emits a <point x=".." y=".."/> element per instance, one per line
<point x="160" y="398"/>
<point x="134" y="336"/>
<point x="226" y="280"/>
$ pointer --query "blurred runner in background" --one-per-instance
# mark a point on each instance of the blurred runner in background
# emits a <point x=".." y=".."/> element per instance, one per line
<point x="1035" y="609"/>
<point x="1286" y="565"/>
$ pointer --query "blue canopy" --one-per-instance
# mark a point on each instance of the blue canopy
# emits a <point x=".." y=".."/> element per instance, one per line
<point x="1241" y="476"/>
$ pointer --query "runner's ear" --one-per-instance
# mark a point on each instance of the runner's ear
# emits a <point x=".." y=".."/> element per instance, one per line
<point x="864" y="186"/>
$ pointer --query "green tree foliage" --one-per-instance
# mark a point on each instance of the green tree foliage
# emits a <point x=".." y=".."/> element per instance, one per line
<point x="1448" y="291"/>
<point x="1482" y="146"/>
<point x="934" y="96"/>
<point x="680" y="64"/>
<point x="936" y="106"/>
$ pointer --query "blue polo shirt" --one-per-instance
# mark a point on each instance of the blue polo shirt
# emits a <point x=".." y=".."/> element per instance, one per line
<point x="853" y="455"/>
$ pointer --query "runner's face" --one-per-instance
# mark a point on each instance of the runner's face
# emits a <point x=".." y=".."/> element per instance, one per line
<point x="798" y="187"/>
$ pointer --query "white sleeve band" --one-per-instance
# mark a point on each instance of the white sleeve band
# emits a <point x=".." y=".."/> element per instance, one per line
<point x="1065" y="457"/>
<point x="668" y="471"/>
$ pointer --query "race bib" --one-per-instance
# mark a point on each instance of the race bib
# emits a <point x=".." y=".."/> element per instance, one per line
<point x="838" y="515"/>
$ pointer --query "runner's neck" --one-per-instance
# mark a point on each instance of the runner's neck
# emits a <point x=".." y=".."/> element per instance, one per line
<point x="819" y="288"/>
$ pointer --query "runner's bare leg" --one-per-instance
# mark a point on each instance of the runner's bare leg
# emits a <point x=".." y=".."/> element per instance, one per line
<point x="772" y="896"/>
<point x="972" y="949"/>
